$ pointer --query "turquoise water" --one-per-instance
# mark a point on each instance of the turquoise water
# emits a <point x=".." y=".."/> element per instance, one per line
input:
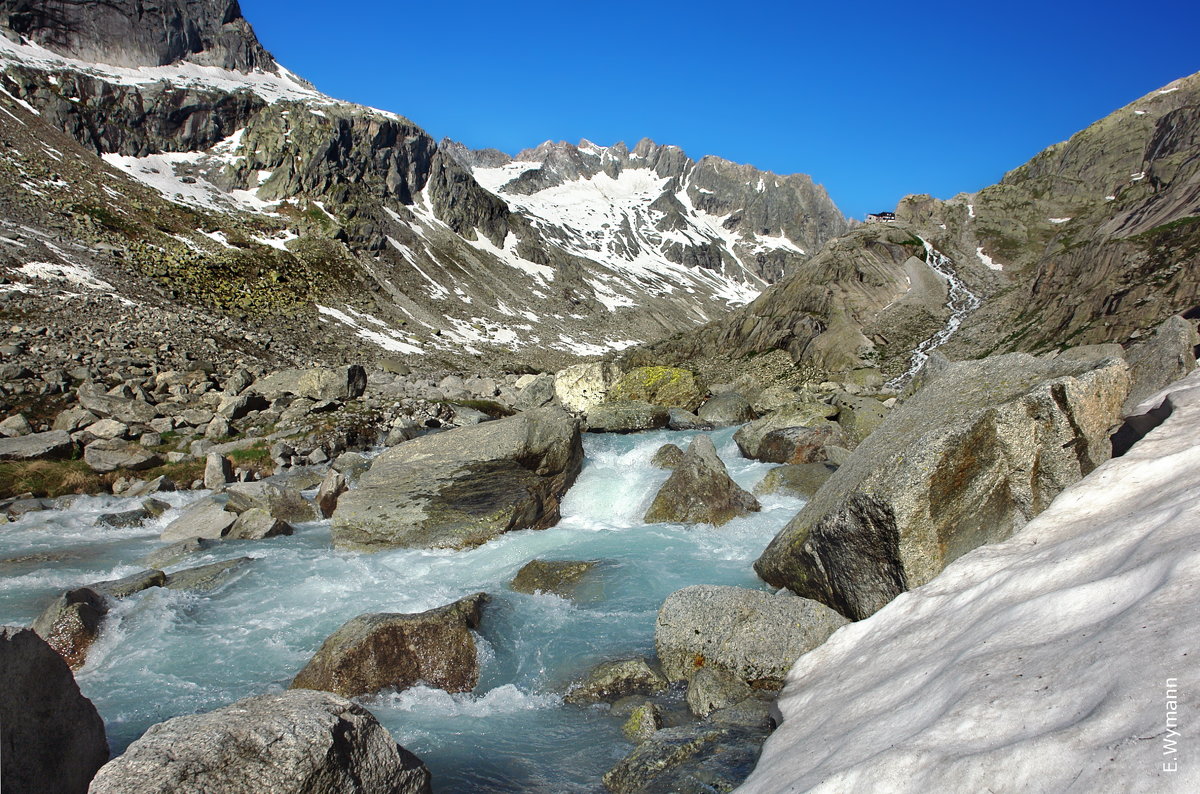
<point x="166" y="653"/>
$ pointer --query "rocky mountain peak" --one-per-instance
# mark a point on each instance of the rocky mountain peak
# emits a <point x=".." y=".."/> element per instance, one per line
<point x="139" y="32"/>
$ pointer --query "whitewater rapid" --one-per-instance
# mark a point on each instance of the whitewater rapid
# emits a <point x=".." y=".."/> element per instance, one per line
<point x="164" y="653"/>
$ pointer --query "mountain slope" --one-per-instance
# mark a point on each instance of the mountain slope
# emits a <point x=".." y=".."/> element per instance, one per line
<point x="429" y="261"/>
<point x="1094" y="240"/>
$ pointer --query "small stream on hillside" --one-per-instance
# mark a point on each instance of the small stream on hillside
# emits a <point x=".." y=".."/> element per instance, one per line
<point x="164" y="653"/>
<point x="959" y="300"/>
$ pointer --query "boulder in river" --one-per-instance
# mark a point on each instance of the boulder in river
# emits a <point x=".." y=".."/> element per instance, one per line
<point x="206" y="578"/>
<point x="333" y="485"/>
<point x="700" y="491"/>
<point x="560" y="577"/>
<point x="625" y="416"/>
<point x="800" y="444"/>
<point x="288" y="743"/>
<point x="463" y="487"/>
<point x="797" y="414"/>
<point x="968" y="460"/>
<point x="690" y="759"/>
<point x="71" y="623"/>
<point x="256" y="524"/>
<point x="386" y="650"/>
<point x="170" y="554"/>
<point x="753" y="635"/>
<point x="52" y="736"/>
<point x="668" y="456"/>
<point x="795" y="479"/>
<point x="712" y="688"/>
<point x="610" y="681"/>
<point x="726" y="409"/>
<point x="205" y="518"/>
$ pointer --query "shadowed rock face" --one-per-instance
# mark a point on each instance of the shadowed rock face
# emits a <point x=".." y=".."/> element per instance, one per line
<point x="52" y="736"/>
<point x="290" y="743"/>
<point x="967" y="461"/>
<point x="700" y="490"/>
<point x="141" y="32"/>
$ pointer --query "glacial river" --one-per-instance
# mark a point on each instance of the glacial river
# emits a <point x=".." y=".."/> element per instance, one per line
<point x="165" y="653"/>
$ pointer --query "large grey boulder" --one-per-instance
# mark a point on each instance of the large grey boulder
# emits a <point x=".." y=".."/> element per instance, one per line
<point x="318" y="383"/>
<point x="800" y="444"/>
<point x="205" y="518"/>
<point x="700" y="491"/>
<point x="279" y="499"/>
<point x="51" y="444"/>
<point x="726" y="409"/>
<point x="218" y="470"/>
<point x="131" y="412"/>
<point x="298" y="742"/>
<point x="1162" y="359"/>
<point x="561" y="577"/>
<point x="625" y="416"/>
<point x="752" y="635"/>
<point x="465" y="486"/>
<point x="795" y="479"/>
<point x="51" y="735"/>
<point x="610" y="681"/>
<point x="207" y="578"/>
<point x="387" y="650"/>
<point x="110" y="454"/>
<point x="968" y="460"/>
<point x="333" y="485"/>
<point x="799" y="414"/>
<point x="537" y="393"/>
<point x="858" y="416"/>
<point x="582" y="386"/>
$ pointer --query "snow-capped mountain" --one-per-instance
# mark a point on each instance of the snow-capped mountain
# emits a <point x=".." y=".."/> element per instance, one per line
<point x="353" y="222"/>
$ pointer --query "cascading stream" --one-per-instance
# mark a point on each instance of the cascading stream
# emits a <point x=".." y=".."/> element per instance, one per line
<point x="164" y="653"/>
<point x="959" y="300"/>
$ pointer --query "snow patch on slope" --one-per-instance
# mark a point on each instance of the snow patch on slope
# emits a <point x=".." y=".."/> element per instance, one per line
<point x="1044" y="663"/>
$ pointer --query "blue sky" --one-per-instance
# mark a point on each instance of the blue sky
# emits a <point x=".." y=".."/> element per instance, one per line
<point x="874" y="100"/>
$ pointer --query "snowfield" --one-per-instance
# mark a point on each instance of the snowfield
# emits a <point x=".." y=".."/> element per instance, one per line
<point x="1064" y="659"/>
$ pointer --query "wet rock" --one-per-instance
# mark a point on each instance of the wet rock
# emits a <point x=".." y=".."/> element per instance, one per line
<point x="560" y="577"/>
<point x="289" y="743"/>
<point x="752" y="635"/>
<point x="206" y="578"/>
<point x="625" y="417"/>
<point x="800" y="444"/>
<point x="668" y="456"/>
<point x="256" y="524"/>
<point x="726" y="409"/>
<point x="691" y="759"/>
<point x="642" y="723"/>
<point x="351" y="464"/>
<point x="205" y="518"/>
<point x="217" y="471"/>
<point x="35" y="446"/>
<point x="465" y="486"/>
<point x="966" y="461"/>
<point x="107" y="455"/>
<point x="700" y="491"/>
<point x="53" y="737"/>
<point x="753" y="712"/>
<point x="169" y="555"/>
<point x="385" y="650"/>
<point x="71" y="623"/>
<point x="797" y="479"/>
<point x="280" y="500"/>
<point x="610" y="681"/>
<point x="332" y="487"/>
<point x="155" y="508"/>
<point x="711" y="689"/>
<point x="126" y="518"/>
<point x="670" y="387"/>
<point x="800" y="414"/>
<point x="129" y="585"/>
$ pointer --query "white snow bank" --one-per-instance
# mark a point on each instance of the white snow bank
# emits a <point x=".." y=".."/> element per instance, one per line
<point x="1058" y="660"/>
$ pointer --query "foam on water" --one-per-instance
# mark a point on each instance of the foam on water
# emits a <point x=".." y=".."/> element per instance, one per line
<point x="165" y="653"/>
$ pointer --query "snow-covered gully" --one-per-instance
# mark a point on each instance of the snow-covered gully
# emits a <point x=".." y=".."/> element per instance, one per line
<point x="1056" y="661"/>
<point x="959" y="300"/>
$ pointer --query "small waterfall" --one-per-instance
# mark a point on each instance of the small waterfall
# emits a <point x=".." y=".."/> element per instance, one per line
<point x="960" y="301"/>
